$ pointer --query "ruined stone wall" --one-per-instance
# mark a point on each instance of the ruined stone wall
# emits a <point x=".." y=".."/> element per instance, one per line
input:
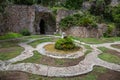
<point x="62" y="13"/>
<point x="82" y="32"/>
<point x="85" y="32"/>
<point x="50" y="22"/>
<point x="20" y="17"/>
<point x="3" y="20"/>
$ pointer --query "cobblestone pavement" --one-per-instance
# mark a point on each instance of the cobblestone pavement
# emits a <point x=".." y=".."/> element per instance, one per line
<point x="83" y="67"/>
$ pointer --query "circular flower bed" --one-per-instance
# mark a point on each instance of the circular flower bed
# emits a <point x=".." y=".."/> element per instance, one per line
<point x="50" y="48"/>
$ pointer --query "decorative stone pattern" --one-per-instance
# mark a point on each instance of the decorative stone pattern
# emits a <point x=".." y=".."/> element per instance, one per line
<point x="82" y="67"/>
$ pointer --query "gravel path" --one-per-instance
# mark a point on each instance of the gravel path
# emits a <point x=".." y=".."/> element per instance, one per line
<point x="83" y="67"/>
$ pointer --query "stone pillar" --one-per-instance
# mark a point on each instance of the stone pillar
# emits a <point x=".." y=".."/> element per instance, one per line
<point x="63" y="35"/>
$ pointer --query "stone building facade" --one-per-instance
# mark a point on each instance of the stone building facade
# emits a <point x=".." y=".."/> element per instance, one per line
<point x="37" y="19"/>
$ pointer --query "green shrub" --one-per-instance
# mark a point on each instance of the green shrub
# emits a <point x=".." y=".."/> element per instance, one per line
<point x="108" y="14"/>
<point x="110" y="29"/>
<point x="78" y="20"/>
<point x="67" y="22"/>
<point x="73" y="4"/>
<point x="25" y="2"/>
<point x="10" y="35"/>
<point x="55" y="9"/>
<point x="85" y="21"/>
<point x="64" y="44"/>
<point x="25" y="32"/>
<point x="97" y="7"/>
<point x="116" y="14"/>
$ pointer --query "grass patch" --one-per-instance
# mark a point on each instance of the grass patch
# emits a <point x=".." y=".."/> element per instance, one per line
<point x="108" y="57"/>
<point x="45" y="60"/>
<point x="116" y="46"/>
<point x="34" y="59"/>
<point x="90" y="77"/>
<point x="103" y="49"/>
<point x="89" y="49"/>
<point x="99" y="70"/>
<point x="35" y="43"/>
<point x="98" y="41"/>
<point x="10" y="35"/>
<point x="33" y="37"/>
<point x="9" y="53"/>
<point x="8" y="44"/>
<point x="57" y="34"/>
<point x="59" y="61"/>
<point x="36" y="36"/>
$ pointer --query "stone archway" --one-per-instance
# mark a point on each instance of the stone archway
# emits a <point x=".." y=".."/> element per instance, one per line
<point x="45" y="22"/>
<point x="42" y="26"/>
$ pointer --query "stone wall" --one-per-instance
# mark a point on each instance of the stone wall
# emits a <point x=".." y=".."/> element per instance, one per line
<point x="3" y="20"/>
<point x="20" y="17"/>
<point x="85" y="32"/>
<point x="62" y="13"/>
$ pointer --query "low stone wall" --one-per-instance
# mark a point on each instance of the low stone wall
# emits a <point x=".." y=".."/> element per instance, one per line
<point x="85" y="32"/>
<point x="82" y="32"/>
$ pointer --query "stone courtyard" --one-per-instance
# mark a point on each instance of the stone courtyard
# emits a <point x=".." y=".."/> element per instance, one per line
<point x="59" y="39"/>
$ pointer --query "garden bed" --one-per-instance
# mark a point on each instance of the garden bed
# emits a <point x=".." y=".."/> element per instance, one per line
<point x="116" y="46"/>
<point x="45" y="60"/>
<point x="110" y="55"/>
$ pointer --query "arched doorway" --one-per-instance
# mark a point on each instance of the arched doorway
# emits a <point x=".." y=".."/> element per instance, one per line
<point x="42" y="26"/>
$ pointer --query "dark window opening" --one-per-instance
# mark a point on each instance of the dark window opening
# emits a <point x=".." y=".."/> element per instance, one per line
<point x="42" y="26"/>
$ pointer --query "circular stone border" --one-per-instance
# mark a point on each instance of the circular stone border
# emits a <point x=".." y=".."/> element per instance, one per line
<point x="40" y="48"/>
